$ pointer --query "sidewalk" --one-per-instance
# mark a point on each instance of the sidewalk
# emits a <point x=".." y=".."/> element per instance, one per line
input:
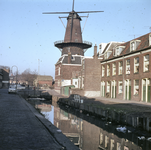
<point x="22" y="127"/>
<point x="119" y="101"/>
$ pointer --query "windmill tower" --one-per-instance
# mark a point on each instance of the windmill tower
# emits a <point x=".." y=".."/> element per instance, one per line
<point x="72" y="50"/>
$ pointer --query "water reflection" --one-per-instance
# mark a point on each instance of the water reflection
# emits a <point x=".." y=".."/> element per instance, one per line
<point x="89" y="133"/>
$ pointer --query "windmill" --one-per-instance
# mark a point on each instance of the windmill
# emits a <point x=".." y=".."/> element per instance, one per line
<point x="73" y="42"/>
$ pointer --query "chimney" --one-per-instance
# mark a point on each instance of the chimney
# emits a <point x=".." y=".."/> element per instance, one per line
<point x="95" y="50"/>
<point x="69" y="57"/>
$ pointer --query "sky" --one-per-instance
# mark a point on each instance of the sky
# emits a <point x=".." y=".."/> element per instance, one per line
<point x="27" y="36"/>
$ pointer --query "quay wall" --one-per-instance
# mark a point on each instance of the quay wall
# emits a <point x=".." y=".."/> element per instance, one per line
<point x="136" y="120"/>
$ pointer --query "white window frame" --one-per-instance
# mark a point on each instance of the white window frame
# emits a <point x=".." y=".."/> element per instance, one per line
<point x="120" y="67"/>
<point x="103" y="88"/>
<point x="120" y="87"/>
<point x="107" y="54"/>
<point x="128" y="66"/>
<point x="136" y="65"/>
<point x="108" y="70"/>
<point x="103" y="70"/>
<point x="108" y="86"/>
<point x="59" y="71"/>
<point x="118" y="50"/>
<point x="134" y="44"/>
<point x="136" y="87"/>
<point x="114" y="69"/>
<point x="146" y="63"/>
<point x="147" y="82"/>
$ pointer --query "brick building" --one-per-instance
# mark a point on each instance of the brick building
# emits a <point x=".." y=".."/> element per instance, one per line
<point x="43" y="81"/>
<point x="126" y="70"/>
<point x="4" y="76"/>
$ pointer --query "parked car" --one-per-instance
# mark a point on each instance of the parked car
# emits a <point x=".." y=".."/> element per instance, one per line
<point x="12" y="89"/>
<point x="20" y="87"/>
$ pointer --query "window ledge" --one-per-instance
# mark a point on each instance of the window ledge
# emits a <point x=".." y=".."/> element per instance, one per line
<point x="146" y="71"/>
<point x="136" y="73"/>
<point x="120" y="74"/>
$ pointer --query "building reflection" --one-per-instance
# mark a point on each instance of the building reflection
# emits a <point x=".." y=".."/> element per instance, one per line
<point x="88" y="136"/>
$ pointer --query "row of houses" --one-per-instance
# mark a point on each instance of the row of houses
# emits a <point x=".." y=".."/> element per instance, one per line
<point x="119" y="70"/>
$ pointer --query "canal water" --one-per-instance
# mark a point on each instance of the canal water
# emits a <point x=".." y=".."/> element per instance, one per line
<point x="92" y="133"/>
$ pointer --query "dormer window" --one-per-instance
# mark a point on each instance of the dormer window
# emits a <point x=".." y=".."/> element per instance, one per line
<point x="107" y="54"/>
<point x="149" y="39"/>
<point x="118" y="50"/>
<point x="134" y="44"/>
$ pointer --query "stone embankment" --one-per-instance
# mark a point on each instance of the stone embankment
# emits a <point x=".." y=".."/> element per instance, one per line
<point x="124" y="114"/>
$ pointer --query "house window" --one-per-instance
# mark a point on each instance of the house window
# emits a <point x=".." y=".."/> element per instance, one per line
<point x="120" y="67"/>
<point x="136" y="87"/>
<point x="146" y="63"/>
<point x="114" y="69"/>
<point x="108" y="70"/>
<point x="59" y="71"/>
<point x="101" y="138"/>
<point x="134" y="44"/>
<point x="120" y="85"/>
<point x="117" y="51"/>
<point x="106" y="141"/>
<point x="103" y="89"/>
<point x="113" y="89"/>
<point x="146" y="86"/>
<point x="83" y="63"/>
<point x="128" y="66"/>
<point x="112" y="144"/>
<point x="108" y="87"/>
<point x="118" y="146"/>
<point x="127" y="89"/>
<point x="107" y="54"/>
<point x="103" y="71"/>
<point x="136" y="65"/>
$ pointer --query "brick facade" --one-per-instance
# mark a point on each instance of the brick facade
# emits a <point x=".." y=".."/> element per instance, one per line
<point x="134" y="80"/>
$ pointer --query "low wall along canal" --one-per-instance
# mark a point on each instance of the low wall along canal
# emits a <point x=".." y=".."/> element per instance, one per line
<point x="124" y="116"/>
<point x="91" y="127"/>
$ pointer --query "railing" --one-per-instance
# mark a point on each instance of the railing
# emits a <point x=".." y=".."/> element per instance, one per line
<point x="61" y="41"/>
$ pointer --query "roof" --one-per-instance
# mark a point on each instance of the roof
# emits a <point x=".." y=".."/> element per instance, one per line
<point x="75" y="59"/>
<point x="143" y="45"/>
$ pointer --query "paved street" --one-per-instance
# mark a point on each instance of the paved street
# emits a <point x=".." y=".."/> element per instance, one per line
<point x="22" y="128"/>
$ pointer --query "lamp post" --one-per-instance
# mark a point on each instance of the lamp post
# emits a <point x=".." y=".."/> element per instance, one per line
<point x="16" y="75"/>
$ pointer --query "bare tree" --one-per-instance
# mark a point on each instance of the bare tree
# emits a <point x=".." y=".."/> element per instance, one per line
<point x="29" y="76"/>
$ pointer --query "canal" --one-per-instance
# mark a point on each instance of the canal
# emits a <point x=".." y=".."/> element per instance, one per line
<point x="92" y="133"/>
